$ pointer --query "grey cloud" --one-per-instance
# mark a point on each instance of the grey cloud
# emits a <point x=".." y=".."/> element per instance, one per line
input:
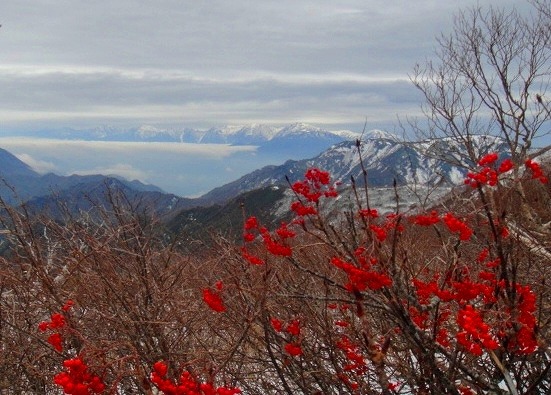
<point x="136" y="95"/>
<point x="221" y="35"/>
<point x="170" y="57"/>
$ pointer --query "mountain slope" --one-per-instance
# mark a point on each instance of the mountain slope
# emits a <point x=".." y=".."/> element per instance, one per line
<point x="386" y="160"/>
<point x="398" y="174"/>
<point x="22" y="184"/>
<point x="12" y="167"/>
<point x="201" y="223"/>
<point x="300" y="140"/>
<point x="18" y="176"/>
<point x="98" y="192"/>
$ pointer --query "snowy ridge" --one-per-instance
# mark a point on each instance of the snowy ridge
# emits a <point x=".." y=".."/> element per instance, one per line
<point x="377" y="134"/>
<point x="387" y="162"/>
<point x="347" y="134"/>
<point x="254" y="134"/>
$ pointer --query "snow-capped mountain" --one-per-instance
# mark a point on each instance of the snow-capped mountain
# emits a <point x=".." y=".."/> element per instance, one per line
<point x="386" y="161"/>
<point x="151" y="133"/>
<point x="300" y="141"/>
<point x="273" y="144"/>
<point x="255" y="134"/>
<point x="377" y="134"/>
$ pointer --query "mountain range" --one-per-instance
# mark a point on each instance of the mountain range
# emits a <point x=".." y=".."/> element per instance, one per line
<point x="20" y="183"/>
<point x="387" y="162"/>
<point x="185" y="161"/>
<point x="255" y="134"/>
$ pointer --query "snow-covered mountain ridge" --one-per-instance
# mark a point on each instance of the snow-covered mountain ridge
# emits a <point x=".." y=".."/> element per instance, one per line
<point x="254" y="134"/>
<point x="387" y="161"/>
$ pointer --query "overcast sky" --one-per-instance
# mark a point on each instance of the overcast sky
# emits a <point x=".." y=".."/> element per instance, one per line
<point x="210" y="63"/>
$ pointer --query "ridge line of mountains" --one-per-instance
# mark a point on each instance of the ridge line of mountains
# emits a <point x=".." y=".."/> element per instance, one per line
<point x="388" y="161"/>
<point x="254" y="134"/>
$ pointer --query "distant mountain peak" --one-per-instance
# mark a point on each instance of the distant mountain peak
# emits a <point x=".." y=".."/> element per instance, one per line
<point x="300" y="127"/>
<point x="148" y="131"/>
<point x="377" y="134"/>
<point x="12" y="167"/>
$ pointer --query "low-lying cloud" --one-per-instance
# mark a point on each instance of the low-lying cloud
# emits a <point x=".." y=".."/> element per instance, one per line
<point x="40" y="166"/>
<point x="119" y="169"/>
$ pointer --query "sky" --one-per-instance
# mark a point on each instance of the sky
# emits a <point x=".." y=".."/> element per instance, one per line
<point x="204" y="63"/>
<point x="201" y="64"/>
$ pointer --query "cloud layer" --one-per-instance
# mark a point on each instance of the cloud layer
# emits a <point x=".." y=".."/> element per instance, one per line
<point x="204" y="63"/>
